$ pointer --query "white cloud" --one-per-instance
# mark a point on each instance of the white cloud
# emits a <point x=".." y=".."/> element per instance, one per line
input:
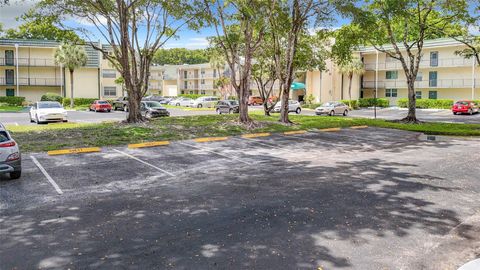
<point x="474" y="29"/>
<point x="15" y="9"/>
<point x="189" y="43"/>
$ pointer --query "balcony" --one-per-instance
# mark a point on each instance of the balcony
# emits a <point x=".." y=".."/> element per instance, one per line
<point x="398" y="84"/>
<point x="445" y="62"/>
<point x="32" y="81"/>
<point x="29" y="62"/>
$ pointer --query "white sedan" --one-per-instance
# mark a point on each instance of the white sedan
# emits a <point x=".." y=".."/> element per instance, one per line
<point x="47" y="111"/>
<point x="332" y="108"/>
<point x="293" y="106"/>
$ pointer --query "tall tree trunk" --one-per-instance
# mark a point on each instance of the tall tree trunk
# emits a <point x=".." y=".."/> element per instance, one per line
<point x="71" y="88"/>
<point x="266" y="109"/>
<point x="134" y="99"/>
<point x="350" y="77"/>
<point x="412" y="116"/>
<point x="284" y="104"/>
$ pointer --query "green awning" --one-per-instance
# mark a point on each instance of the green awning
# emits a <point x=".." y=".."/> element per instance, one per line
<point x="297" y="86"/>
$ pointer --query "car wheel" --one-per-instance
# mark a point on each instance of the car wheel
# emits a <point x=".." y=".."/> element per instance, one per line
<point x="454" y="113"/>
<point x="15" y="175"/>
<point x="65" y="121"/>
<point x="298" y="111"/>
<point x="345" y="113"/>
<point x="218" y="111"/>
<point x="199" y="106"/>
<point x="31" y="119"/>
<point x="125" y="108"/>
<point x="36" y="120"/>
<point x="470" y="111"/>
<point x="332" y="113"/>
<point x="109" y="110"/>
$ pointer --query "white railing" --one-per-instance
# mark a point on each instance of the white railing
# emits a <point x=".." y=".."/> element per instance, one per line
<point x="425" y="63"/>
<point x="443" y="83"/>
<point x="29" y="62"/>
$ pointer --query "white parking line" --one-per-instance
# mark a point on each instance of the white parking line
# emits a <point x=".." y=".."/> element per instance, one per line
<point x="213" y="152"/>
<point x="49" y="178"/>
<point x="144" y="162"/>
<point x="255" y="141"/>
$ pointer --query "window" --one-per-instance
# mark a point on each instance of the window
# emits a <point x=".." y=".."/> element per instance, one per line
<point x="202" y="92"/>
<point x="432" y="94"/>
<point x="185" y="74"/>
<point x="10" y="93"/>
<point x="109" y="91"/>
<point x="418" y="94"/>
<point x="191" y="92"/>
<point x="183" y="92"/>
<point x="392" y="75"/>
<point x="419" y="77"/>
<point x="432" y="79"/>
<point x="203" y="81"/>
<point x="390" y="92"/>
<point x="9" y="58"/>
<point x="185" y="85"/>
<point x="434" y="59"/>
<point x="9" y="77"/>
<point x="109" y="73"/>
<point x="214" y="73"/>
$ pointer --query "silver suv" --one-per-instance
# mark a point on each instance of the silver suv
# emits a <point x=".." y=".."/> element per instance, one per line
<point x="10" y="158"/>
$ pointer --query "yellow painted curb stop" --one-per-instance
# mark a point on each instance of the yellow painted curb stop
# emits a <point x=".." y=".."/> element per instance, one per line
<point x="358" y="127"/>
<point x="255" y="135"/>
<point x="330" y="129"/>
<point x="74" y="151"/>
<point x="148" y="144"/>
<point x="295" y="132"/>
<point x="211" y="139"/>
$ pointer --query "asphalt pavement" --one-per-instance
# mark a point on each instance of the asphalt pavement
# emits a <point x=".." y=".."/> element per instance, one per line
<point x="353" y="199"/>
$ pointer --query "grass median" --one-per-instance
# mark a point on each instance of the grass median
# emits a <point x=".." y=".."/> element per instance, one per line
<point x="35" y="138"/>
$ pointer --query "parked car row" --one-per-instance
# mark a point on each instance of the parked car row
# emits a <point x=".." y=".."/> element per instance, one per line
<point x="465" y="106"/>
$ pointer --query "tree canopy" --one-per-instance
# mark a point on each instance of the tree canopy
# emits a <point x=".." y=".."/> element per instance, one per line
<point x="180" y="56"/>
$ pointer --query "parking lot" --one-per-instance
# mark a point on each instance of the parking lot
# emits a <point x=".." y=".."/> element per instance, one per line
<point x="351" y="199"/>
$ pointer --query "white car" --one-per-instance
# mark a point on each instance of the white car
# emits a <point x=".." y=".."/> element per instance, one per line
<point x="10" y="158"/>
<point x="47" y="111"/>
<point x="181" y="102"/>
<point x="293" y="106"/>
<point x="204" y="102"/>
<point x="332" y="108"/>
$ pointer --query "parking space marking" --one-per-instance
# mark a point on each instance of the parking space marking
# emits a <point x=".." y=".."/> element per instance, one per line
<point x="255" y="135"/>
<point x="329" y="129"/>
<point x="211" y="139"/>
<point x="49" y="178"/>
<point x="216" y="153"/>
<point x="295" y="132"/>
<point x="74" y="151"/>
<point x="148" y="144"/>
<point x="358" y="127"/>
<point x="144" y="162"/>
<point x="257" y="142"/>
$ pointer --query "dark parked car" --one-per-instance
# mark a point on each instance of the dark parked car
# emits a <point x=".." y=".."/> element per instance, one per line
<point x="166" y="100"/>
<point x="121" y="103"/>
<point x="227" y="106"/>
<point x="151" y="109"/>
<point x="154" y="98"/>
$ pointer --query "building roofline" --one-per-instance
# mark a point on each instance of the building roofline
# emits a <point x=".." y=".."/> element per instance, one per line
<point x="431" y="43"/>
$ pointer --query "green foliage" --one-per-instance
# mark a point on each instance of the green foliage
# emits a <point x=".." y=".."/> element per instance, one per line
<point x="192" y="96"/>
<point x="13" y="101"/>
<point x="51" y="97"/>
<point x="71" y="56"/>
<point x="428" y="103"/>
<point x="79" y="101"/>
<point x="353" y="104"/>
<point x="309" y="99"/>
<point x="370" y="102"/>
<point x="180" y="56"/>
<point x="36" y="26"/>
<point x="347" y="39"/>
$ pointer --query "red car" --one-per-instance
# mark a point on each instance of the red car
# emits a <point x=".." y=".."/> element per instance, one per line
<point x="254" y="100"/>
<point x="100" y="106"/>
<point x="465" y="106"/>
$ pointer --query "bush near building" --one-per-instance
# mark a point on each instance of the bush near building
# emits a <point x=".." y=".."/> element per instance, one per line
<point x="370" y="102"/>
<point x="51" y="97"/>
<point x="353" y="104"/>
<point x="79" y="101"/>
<point x="13" y="101"/>
<point x="428" y="103"/>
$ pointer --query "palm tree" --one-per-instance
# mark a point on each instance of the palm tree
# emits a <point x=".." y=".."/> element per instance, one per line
<point x="350" y="68"/>
<point x="72" y="57"/>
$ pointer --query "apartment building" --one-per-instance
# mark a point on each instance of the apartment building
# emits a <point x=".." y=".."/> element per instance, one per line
<point x="198" y="79"/>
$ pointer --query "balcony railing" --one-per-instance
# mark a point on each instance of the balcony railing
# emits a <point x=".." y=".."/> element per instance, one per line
<point x="29" y="62"/>
<point x="445" y="62"/>
<point x="32" y="81"/>
<point x="444" y="83"/>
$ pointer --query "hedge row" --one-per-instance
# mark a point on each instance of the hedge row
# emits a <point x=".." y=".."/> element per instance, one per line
<point x="353" y="104"/>
<point x="13" y="101"/>
<point x="427" y="103"/>
<point x="78" y="101"/>
<point x="370" y="102"/>
<point x="192" y="96"/>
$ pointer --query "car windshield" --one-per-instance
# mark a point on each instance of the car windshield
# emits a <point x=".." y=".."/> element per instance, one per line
<point x="3" y="136"/>
<point x="462" y="103"/>
<point x="49" y="105"/>
<point x="153" y="104"/>
<point x="102" y="102"/>
<point x="328" y="104"/>
<point x="233" y="102"/>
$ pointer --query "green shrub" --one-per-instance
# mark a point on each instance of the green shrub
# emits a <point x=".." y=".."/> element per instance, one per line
<point x="427" y="103"/>
<point x="402" y="102"/>
<point x="79" y="101"/>
<point x="13" y="101"/>
<point x="51" y="97"/>
<point x="353" y="104"/>
<point x="192" y="96"/>
<point x="370" y="102"/>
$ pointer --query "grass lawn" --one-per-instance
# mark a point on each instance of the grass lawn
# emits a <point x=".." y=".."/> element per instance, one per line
<point x="67" y="135"/>
<point x="7" y="108"/>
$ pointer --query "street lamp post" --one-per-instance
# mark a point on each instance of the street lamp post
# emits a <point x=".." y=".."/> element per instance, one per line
<point x="17" y="70"/>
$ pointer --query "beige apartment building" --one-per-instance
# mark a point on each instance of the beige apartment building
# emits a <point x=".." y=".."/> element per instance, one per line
<point x="442" y="75"/>
<point x="198" y="79"/>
